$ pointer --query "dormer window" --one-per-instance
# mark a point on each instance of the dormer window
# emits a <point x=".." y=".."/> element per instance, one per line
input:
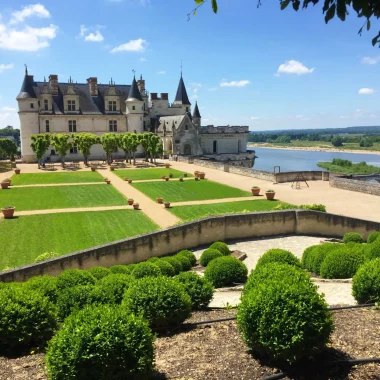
<point x="46" y="105"/>
<point x="186" y="127"/>
<point x="71" y="105"/>
<point x="31" y="105"/>
<point x="112" y="106"/>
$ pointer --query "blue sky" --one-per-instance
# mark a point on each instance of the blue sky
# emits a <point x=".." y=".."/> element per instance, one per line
<point x="265" y="68"/>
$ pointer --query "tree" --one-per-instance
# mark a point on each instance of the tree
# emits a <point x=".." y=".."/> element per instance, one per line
<point x="84" y="141"/>
<point x="62" y="143"/>
<point x="365" y="142"/>
<point x="337" y="141"/>
<point x="8" y="148"/>
<point x="9" y="131"/>
<point x="110" y="144"/>
<point x="144" y="141"/>
<point x="40" y="144"/>
<point x="125" y="144"/>
<point x="363" y="8"/>
<point x="134" y="142"/>
<point x="153" y="144"/>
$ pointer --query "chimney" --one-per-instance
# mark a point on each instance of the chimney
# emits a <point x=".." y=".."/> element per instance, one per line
<point x="164" y="96"/>
<point x="141" y="85"/>
<point x="53" y="83"/>
<point x="153" y="96"/>
<point x="93" y="83"/>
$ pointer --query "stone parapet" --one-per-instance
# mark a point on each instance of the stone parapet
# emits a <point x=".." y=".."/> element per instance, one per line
<point x="350" y="183"/>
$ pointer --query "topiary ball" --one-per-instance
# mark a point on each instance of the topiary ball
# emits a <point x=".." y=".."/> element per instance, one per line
<point x="74" y="277"/>
<point x="221" y="247"/>
<point x="115" y="286"/>
<point x="174" y="262"/>
<point x="199" y="289"/>
<point x="103" y="342"/>
<point x="146" y="270"/>
<point x="122" y="269"/>
<point x="208" y="255"/>
<point x="185" y="262"/>
<point x="45" y="285"/>
<point x="190" y="255"/>
<point x="284" y="321"/>
<point x="153" y="260"/>
<point x="27" y="319"/>
<point x="317" y="255"/>
<point x="307" y="258"/>
<point x="373" y="236"/>
<point x="160" y="300"/>
<point x="225" y="271"/>
<point x="99" y="272"/>
<point x="366" y="282"/>
<point x="278" y="256"/>
<point x="165" y="267"/>
<point x="373" y="250"/>
<point x="352" y="237"/>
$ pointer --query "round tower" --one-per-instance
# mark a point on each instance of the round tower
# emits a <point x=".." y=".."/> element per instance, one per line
<point x="196" y="117"/>
<point x="135" y="109"/>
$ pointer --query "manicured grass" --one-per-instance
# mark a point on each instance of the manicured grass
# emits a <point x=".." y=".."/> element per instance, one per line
<point x="42" y="198"/>
<point x="49" y="178"/>
<point x="143" y="174"/>
<point x="175" y="191"/>
<point x="26" y="237"/>
<point x="188" y="213"/>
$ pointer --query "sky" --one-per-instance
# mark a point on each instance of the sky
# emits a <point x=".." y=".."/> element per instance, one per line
<point x="265" y="68"/>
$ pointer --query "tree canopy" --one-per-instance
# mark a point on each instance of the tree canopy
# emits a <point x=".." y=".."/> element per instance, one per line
<point x="62" y="143"/>
<point x="40" y="144"/>
<point x="8" y="148"/>
<point x="84" y="141"/>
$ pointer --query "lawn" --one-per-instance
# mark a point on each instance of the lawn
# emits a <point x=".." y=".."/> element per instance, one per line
<point x="188" y="213"/>
<point x="144" y="174"/>
<point x="26" y="237"/>
<point x="175" y="191"/>
<point x="42" y="198"/>
<point x="49" y="178"/>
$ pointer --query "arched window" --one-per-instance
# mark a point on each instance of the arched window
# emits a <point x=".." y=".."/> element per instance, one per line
<point x="215" y="147"/>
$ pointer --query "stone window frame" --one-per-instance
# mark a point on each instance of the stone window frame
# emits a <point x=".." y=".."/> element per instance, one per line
<point x="112" y="106"/>
<point x="72" y="126"/>
<point x="47" y="126"/>
<point x="112" y="125"/>
<point x="71" y="106"/>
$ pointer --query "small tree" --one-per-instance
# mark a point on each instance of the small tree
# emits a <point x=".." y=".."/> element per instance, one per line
<point x="62" y="143"/>
<point x="8" y="147"/>
<point x="154" y="142"/>
<point x="84" y="142"/>
<point x="144" y="141"/>
<point x="134" y="143"/>
<point x="337" y="141"/>
<point x="110" y="144"/>
<point x="40" y="144"/>
<point x="125" y="144"/>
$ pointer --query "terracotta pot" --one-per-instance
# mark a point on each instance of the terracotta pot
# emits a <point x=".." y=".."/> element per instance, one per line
<point x="112" y="168"/>
<point x="130" y="202"/>
<point x="196" y="178"/>
<point x="129" y="181"/>
<point x="160" y="200"/>
<point x="126" y="179"/>
<point x="196" y="173"/>
<point x="108" y="182"/>
<point x="166" y="179"/>
<point x="167" y="204"/>
<point x="4" y="185"/>
<point x="17" y="171"/>
<point x="93" y="169"/>
<point x="270" y="195"/>
<point x="8" y="212"/>
<point x="163" y="177"/>
<point x="255" y="191"/>
<point x="105" y="179"/>
<point x="136" y="206"/>
<point x="185" y="174"/>
<point x="9" y="181"/>
<point x="167" y="166"/>
<point x="202" y="175"/>
<point x="181" y="179"/>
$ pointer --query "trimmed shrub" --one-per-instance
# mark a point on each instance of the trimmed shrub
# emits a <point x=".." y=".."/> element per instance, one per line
<point x="74" y="277"/>
<point x="27" y="319"/>
<point x="314" y="207"/>
<point x="184" y="261"/>
<point x="317" y="255"/>
<point x="352" y="237"/>
<point x="373" y="236"/>
<point x="122" y="269"/>
<point x="341" y="263"/>
<point x="165" y="267"/>
<point x="153" y="260"/>
<point x="46" y="256"/>
<point x="278" y="256"/>
<point x="221" y="247"/>
<point x="366" y="282"/>
<point x="146" y="270"/>
<point x="174" y="262"/>
<point x="190" y="255"/>
<point x="307" y="257"/>
<point x="102" y="342"/>
<point x="115" y="286"/>
<point x="199" y="289"/>
<point x="373" y="250"/>
<point x="160" y="300"/>
<point x="285" y="321"/>
<point x="45" y="285"/>
<point x="208" y="255"/>
<point x="225" y="271"/>
<point x="99" y="272"/>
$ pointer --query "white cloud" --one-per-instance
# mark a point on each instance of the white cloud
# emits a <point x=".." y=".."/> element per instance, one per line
<point x="4" y="66"/>
<point x="196" y="84"/>
<point x="162" y="72"/>
<point x="366" y="91"/>
<point x="8" y="116"/>
<point x="213" y="89"/>
<point x="133" y="45"/>
<point x="142" y="59"/>
<point x="240" y="83"/>
<point x="370" y="60"/>
<point x="37" y="10"/>
<point x="254" y="118"/>
<point x="294" y="67"/>
<point x="8" y="109"/>
<point x="94" y="37"/>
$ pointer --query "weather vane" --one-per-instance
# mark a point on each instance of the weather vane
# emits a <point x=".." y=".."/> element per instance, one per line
<point x="133" y="71"/>
<point x="26" y="69"/>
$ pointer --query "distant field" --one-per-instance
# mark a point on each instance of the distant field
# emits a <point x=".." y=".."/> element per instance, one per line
<point x="144" y="174"/>
<point x="319" y="144"/>
<point x="354" y="169"/>
<point x="41" y="198"/>
<point x="29" y="236"/>
<point x="175" y="191"/>
<point x="188" y="213"/>
<point x="51" y="178"/>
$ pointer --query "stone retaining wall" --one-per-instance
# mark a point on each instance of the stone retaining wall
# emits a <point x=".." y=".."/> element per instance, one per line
<point x="347" y="183"/>
<point x="198" y="233"/>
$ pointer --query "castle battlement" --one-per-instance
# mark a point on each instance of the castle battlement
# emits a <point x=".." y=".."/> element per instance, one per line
<point x="224" y="129"/>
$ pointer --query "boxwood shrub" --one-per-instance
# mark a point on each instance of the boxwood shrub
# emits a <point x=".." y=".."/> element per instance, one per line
<point x="153" y="259"/>
<point x="166" y="268"/>
<point x="102" y="342"/>
<point x="306" y="257"/>
<point x="145" y="269"/>
<point x="45" y="285"/>
<point x="373" y="236"/>
<point x="160" y="300"/>
<point x="27" y="319"/>
<point x="316" y="256"/>
<point x="284" y="321"/>
<point x="190" y="255"/>
<point x="74" y="277"/>
<point x="115" y="285"/>
<point x="208" y="255"/>
<point x="225" y="271"/>
<point x="99" y="272"/>
<point x="373" y="250"/>
<point x="221" y="247"/>
<point x="122" y="269"/>
<point x="366" y="282"/>
<point x="175" y="263"/>
<point x="352" y="237"/>
<point x="185" y="262"/>
<point x="199" y="289"/>
<point x="278" y="256"/>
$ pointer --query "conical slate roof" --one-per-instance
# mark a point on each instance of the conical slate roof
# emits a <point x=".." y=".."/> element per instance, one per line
<point x="134" y="92"/>
<point x="27" y="90"/>
<point x="181" y="96"/>
<point x="196" y="113"/>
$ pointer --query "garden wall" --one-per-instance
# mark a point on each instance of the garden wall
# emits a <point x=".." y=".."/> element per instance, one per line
<point x="348" y="183"/>
<point x="198" y="233"/>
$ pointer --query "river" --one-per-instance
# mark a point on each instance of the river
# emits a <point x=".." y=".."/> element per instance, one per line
<point x="303" y="160"/>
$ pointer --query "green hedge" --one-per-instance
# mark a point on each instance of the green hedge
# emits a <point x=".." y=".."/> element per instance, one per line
<point x="278" y="256"/>
<point x="190" y="255"/>
<point x="99" y="272"/>
<point x="74" y="277"/>
<point x="373" y="250"/>
<point x="185" y="262"/>
<point x="115" y="286"/>
<point x="166" y="268"/>
<point x="373" y="236"/>
<point x="313" y="258"/>
<point x="366" y="282"/>
<point x="145" y="269"/>
<point x="221" y="247"/>
<point x="208" y="255"/>
<point x="122" y="269"/>
<point x="46" y="285"/>
<point x="352" y="237"/>
<point x="175" y="263"/>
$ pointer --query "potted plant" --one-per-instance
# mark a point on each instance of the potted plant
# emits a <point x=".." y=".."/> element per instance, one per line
<point x="126" y="179"/>
<point x="185" y="174"/>
<point x="270" y="194"/>
<point x="202" y="175"/>
<point x="196" y="173"/>
<point x="108" y="181"/>
<point x="255" y="190"/>
<point x="167" y="166"/>
<point x="129" y="181"/>
<point x="170" y="175"/>
<point x="17" y="171"/>
<point x="4" y="185"/>
<point x="93" y="168"/>
<point x="166" y="179"/>
<point x="112" y="168"/>
<point x="136" y="206"/>
<point x="167" y="204"/>
<point x="196" y="178"/>
<point x="180" y="179"/>
<point x="130" y="201"/>
<point x="163" y="177"/>
<point x="7" y="180"/>
<point x="8" y="211"/>
<point x="160" y="200"/>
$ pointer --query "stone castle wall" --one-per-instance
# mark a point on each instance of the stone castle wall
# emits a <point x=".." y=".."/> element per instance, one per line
<point x="349" y="183"/>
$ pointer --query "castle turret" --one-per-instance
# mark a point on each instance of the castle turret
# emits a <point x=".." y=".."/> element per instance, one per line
<point x="196" y="117"/>
<point x="181" y="97"/>
<point x="135" y="109"/>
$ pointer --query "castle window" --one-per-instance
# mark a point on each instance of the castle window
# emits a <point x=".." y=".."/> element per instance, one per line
<point x="72" y="126"/>
<point x="186" y="127"/>
<point x="31" y="105"/>
<point x="133" y="108"/>
<point x="215" y="147"/>
<point x="46" y="105"/>
<point x="74" y="149"/>
<point x="112" y="125"/>
<point x="71" y="105"/>
<point x="47" y="126"/>
<point x="112" y="105"/>
<point x="187" y="109"/>
<point x="52" y="152"/>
